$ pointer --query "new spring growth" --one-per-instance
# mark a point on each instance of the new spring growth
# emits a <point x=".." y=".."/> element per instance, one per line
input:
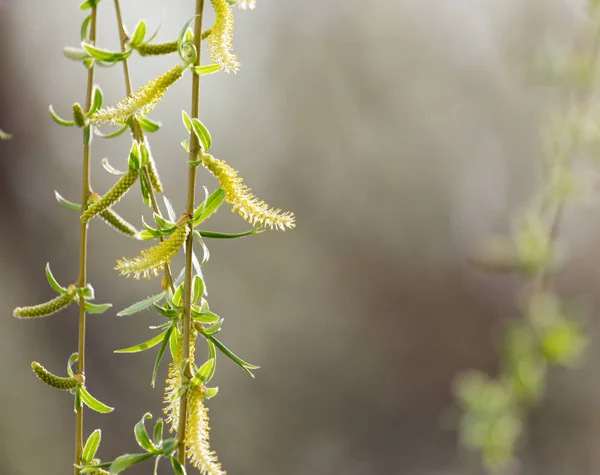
<point x="112" y="196"/>
<point x="197" y="440"/>
<point x="245" y="203"/>
<point x="220" y="39"/>
<point x="141" y="102"/>
<point x="47" y="308"/>
<point x="116" y="221"/>
<point x="55" y="381"/>
<point x="152" y="260"/>
<point x="150" y="166"/>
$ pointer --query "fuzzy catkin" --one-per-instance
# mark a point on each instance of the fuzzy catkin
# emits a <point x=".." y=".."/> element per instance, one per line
<point x="51" y="379"/>
<point x="112" y="196"/>
<point x="141" y="102"/>
<point x="157" y="49"/>
<point x="47" y="308"/>
<point x="197" y="441"/>
<point x="152" y="260"/>
<point x="245" y="203"/>
<point x="221" y="37"/>
<point x="117" y="222"/>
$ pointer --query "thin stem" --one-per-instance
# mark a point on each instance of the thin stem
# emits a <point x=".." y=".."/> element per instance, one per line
<point x="191" y="197"/>
<point x="138" y="134"/>
<point x="82" y="280"/>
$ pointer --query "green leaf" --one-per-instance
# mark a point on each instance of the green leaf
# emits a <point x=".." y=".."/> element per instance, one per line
<point x="96" y="100"/>
<point x="142" y="305"/>
<point x="213" y="235"/>
<point x="125" y="461"/>
<point x="145" y="188"/>
<point x="202" y="133"/>
<point x="210" y="393"/>
<point x="104" y="54"/>
<point x="91" y="446"/>
<point x="52" y="281"/>
<point x="148" y="125"/>
<point x="87" y="135"/>
<point x="161" y="352"/>
<point x="85" y="28"/>
<point x="72" y="359"/>
<point x="141" y="436"/>
<point x="174" y="341"/>
<point x="177" y="297"/>
<point x="95" y="308"/>
<point x="87" y="291"/>
<point x="158" y="432"/>
<point x="110" y="169"/>
<point x="201" y="375"/>
<point x="156" y="462"/>
<point x="92" y="402"/>
<point x="88" y="4"/>
<point x="170" y="210"/>
<point x="186" y="121"/>
<point x="112" y="135"/>
<point x="166" y="312"/>
<point x="163" y="223"/>
<point x="178" y="469"/>
<point x="207" y="317"/>
<point x="209" y="206"/>
<point x="66" y="203"/>
<point x="232" y="356"/>
<point x="76" y="54"/>
<point x="198" y="288"/>
<point x="59" y="120"/>
<point x="139" y="34"/>
<point x="207" y="69"/>
<point x="152" y="342"/>
<point x="205" y="251"/>
<point x="168" y="447"/>
<point x="214" y="328"/>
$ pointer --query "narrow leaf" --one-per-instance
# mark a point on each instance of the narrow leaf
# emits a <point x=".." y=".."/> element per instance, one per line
<point x="149" y="125"/>
<point x="178" y="469"/>
<point x="59" y="120"/>
<point x="110" y="169"/>
<point x="198" y="288"/>
<point x="161" y="352"/>
<point x="142" y="305"/>
<point x="209" y="206"/>
<point x="52" y="281"/>
<point x="141" y="436"/>
<point x="126" y="461"/>
<point x="158" y="432"/>
<point x="213" y="235"/>
<point x="112" y="135"/>
<point x="105" y="55"/>
<point x="206" y="69"/>
<point x="95" y="308"/>
<point x="92" y="402"/>
<point x="138" y="34"/>
<point x="202" y="133"/>
<point x="91" y="446"/>
<point x="152" y="342"/>
<point x="232" y="356"/>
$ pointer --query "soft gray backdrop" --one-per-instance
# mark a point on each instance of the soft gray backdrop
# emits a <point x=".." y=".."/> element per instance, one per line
<point x="402" y="133"/>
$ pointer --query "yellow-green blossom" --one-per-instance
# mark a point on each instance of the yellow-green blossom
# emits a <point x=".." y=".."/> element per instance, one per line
<point x="111" y="197"/>
<point x="47" y="308"/>
<point x="220" y="39"/>
<point x="197" y="441"/>
<point x="245" y="203"/>
<point x="141" y="102"/>
<point x="52" y="380"/>
<point x="154" y="259"/>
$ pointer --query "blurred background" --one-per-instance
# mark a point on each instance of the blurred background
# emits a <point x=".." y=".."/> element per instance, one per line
<point x="401" y="133"/>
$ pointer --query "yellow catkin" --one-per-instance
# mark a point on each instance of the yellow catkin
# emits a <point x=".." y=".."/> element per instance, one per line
<point x="112" y="196"/>
<point x="51" y="379"/>
<point x="117" y="222"/>
<point x="47" y="308"/>
<point x="152" y="260"/>
<point x="197" y="441"/>
<point x="245" y="203"/>
<point x="141" y="102"/>
<point x="156" y="49"/>
<point x="173" y="384"/>
<point x="220" y="38"/>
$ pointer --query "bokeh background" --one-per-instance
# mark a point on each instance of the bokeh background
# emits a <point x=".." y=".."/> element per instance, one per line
<point x="402" y="133"/>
